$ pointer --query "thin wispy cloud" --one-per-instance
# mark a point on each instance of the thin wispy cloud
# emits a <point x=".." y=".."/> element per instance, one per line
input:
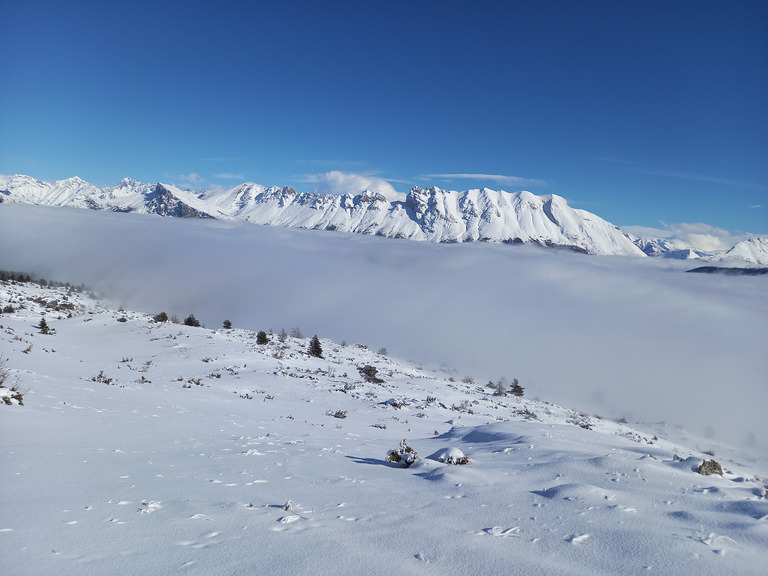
<point x="229" y="176"/>
<point x="498" y="178"/>
<point x="706" y="178"/>
<point x="192" y="178"/>
<point x="618" y="161"/>
<point x="221" y="159"/>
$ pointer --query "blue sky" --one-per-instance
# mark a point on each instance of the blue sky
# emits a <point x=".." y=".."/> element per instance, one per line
<point x="642" y="112"/>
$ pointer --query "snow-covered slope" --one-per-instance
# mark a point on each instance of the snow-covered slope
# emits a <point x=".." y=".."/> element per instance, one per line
<point x="152" y="447"/>
<point x="430" y="214"/>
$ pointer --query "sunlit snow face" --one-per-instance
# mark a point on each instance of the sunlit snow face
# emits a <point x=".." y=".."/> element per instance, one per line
<point x="609" y="335"/>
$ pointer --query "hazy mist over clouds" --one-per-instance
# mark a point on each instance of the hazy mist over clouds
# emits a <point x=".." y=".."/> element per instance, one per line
<point x="608" y="335"/>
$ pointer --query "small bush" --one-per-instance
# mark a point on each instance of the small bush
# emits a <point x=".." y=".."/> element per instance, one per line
<point x="102" y="378"/>
<point x="338" y="414"/>
<point x="369" y="372"/>
<point x="405" y="455"/>
<point x="709" y="467"/>
<point x="261" y="337"/>
<point x="451" y="456"/>
<point x="162" y="317"/>
<point x="227" y="324"/>
<point x="9" y="396"/>
<point x="191" y="321"/>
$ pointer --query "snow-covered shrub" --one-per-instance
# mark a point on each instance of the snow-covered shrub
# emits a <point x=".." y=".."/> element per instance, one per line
<point x="337" y="414"/>
<point x="10" y="396"/>
<point x="102" y="378"/>
<point x="450" y="456"/>
<point x="369" y="373"/>
<point x="405" y="455"/>
<point x="709" y="467"/>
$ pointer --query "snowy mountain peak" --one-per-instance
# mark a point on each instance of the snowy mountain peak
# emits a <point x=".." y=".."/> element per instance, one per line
<point x="427" y="214"/>
<point x="753" y="250"/>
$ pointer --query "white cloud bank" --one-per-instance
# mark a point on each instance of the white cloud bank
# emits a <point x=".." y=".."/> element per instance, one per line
<point x="693" y="236"/>
<point x="613" y="336"/>
<point x="338" y="183"/>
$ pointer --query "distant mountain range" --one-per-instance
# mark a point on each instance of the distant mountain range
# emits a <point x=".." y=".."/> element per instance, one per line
<point x="427" y="214"/>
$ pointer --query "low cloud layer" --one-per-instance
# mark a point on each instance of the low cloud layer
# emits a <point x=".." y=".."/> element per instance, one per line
<point x="608" y="335"/>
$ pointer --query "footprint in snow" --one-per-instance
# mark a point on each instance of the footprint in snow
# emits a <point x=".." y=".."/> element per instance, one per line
<point x="573" y="539"/>
<point x="149" y="507"/>
<point x="503" y="532"/>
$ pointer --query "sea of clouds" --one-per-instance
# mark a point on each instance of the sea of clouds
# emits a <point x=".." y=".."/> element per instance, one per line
<point x="615" y="336"/>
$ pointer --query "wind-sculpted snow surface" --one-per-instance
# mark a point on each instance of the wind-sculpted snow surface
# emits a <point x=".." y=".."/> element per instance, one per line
<point x="150" y="447"/>
<point x="424" y="214"/>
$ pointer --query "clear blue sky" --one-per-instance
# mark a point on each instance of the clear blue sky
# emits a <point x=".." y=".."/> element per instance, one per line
<point x="639" y="111"/>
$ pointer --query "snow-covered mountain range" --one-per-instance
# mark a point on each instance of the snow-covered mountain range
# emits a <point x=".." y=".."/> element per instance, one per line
<point x="429" y="214"/>
<point x="426" y="214"/>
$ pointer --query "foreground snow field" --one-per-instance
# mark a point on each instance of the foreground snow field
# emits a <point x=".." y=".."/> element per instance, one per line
<point x="157" y="448"/>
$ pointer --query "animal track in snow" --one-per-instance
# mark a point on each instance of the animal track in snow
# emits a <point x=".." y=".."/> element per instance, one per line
<point x="503" y="532"/>
<point x="573" y="539"/>
<point x="149" y="507"/>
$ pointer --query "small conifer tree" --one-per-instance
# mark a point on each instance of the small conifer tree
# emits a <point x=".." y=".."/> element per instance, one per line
<point x="283" y="336"/>
<point x="44" y="328"/>
<point x="314" y="347"/>
<point x="261" y="337"/>
<point x="516" y="389"/>
<point x="227" y="324"/>
<point x="191" y="321"/>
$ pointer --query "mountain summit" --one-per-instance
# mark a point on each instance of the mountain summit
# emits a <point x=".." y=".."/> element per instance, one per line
<point x="427" y="214"/>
